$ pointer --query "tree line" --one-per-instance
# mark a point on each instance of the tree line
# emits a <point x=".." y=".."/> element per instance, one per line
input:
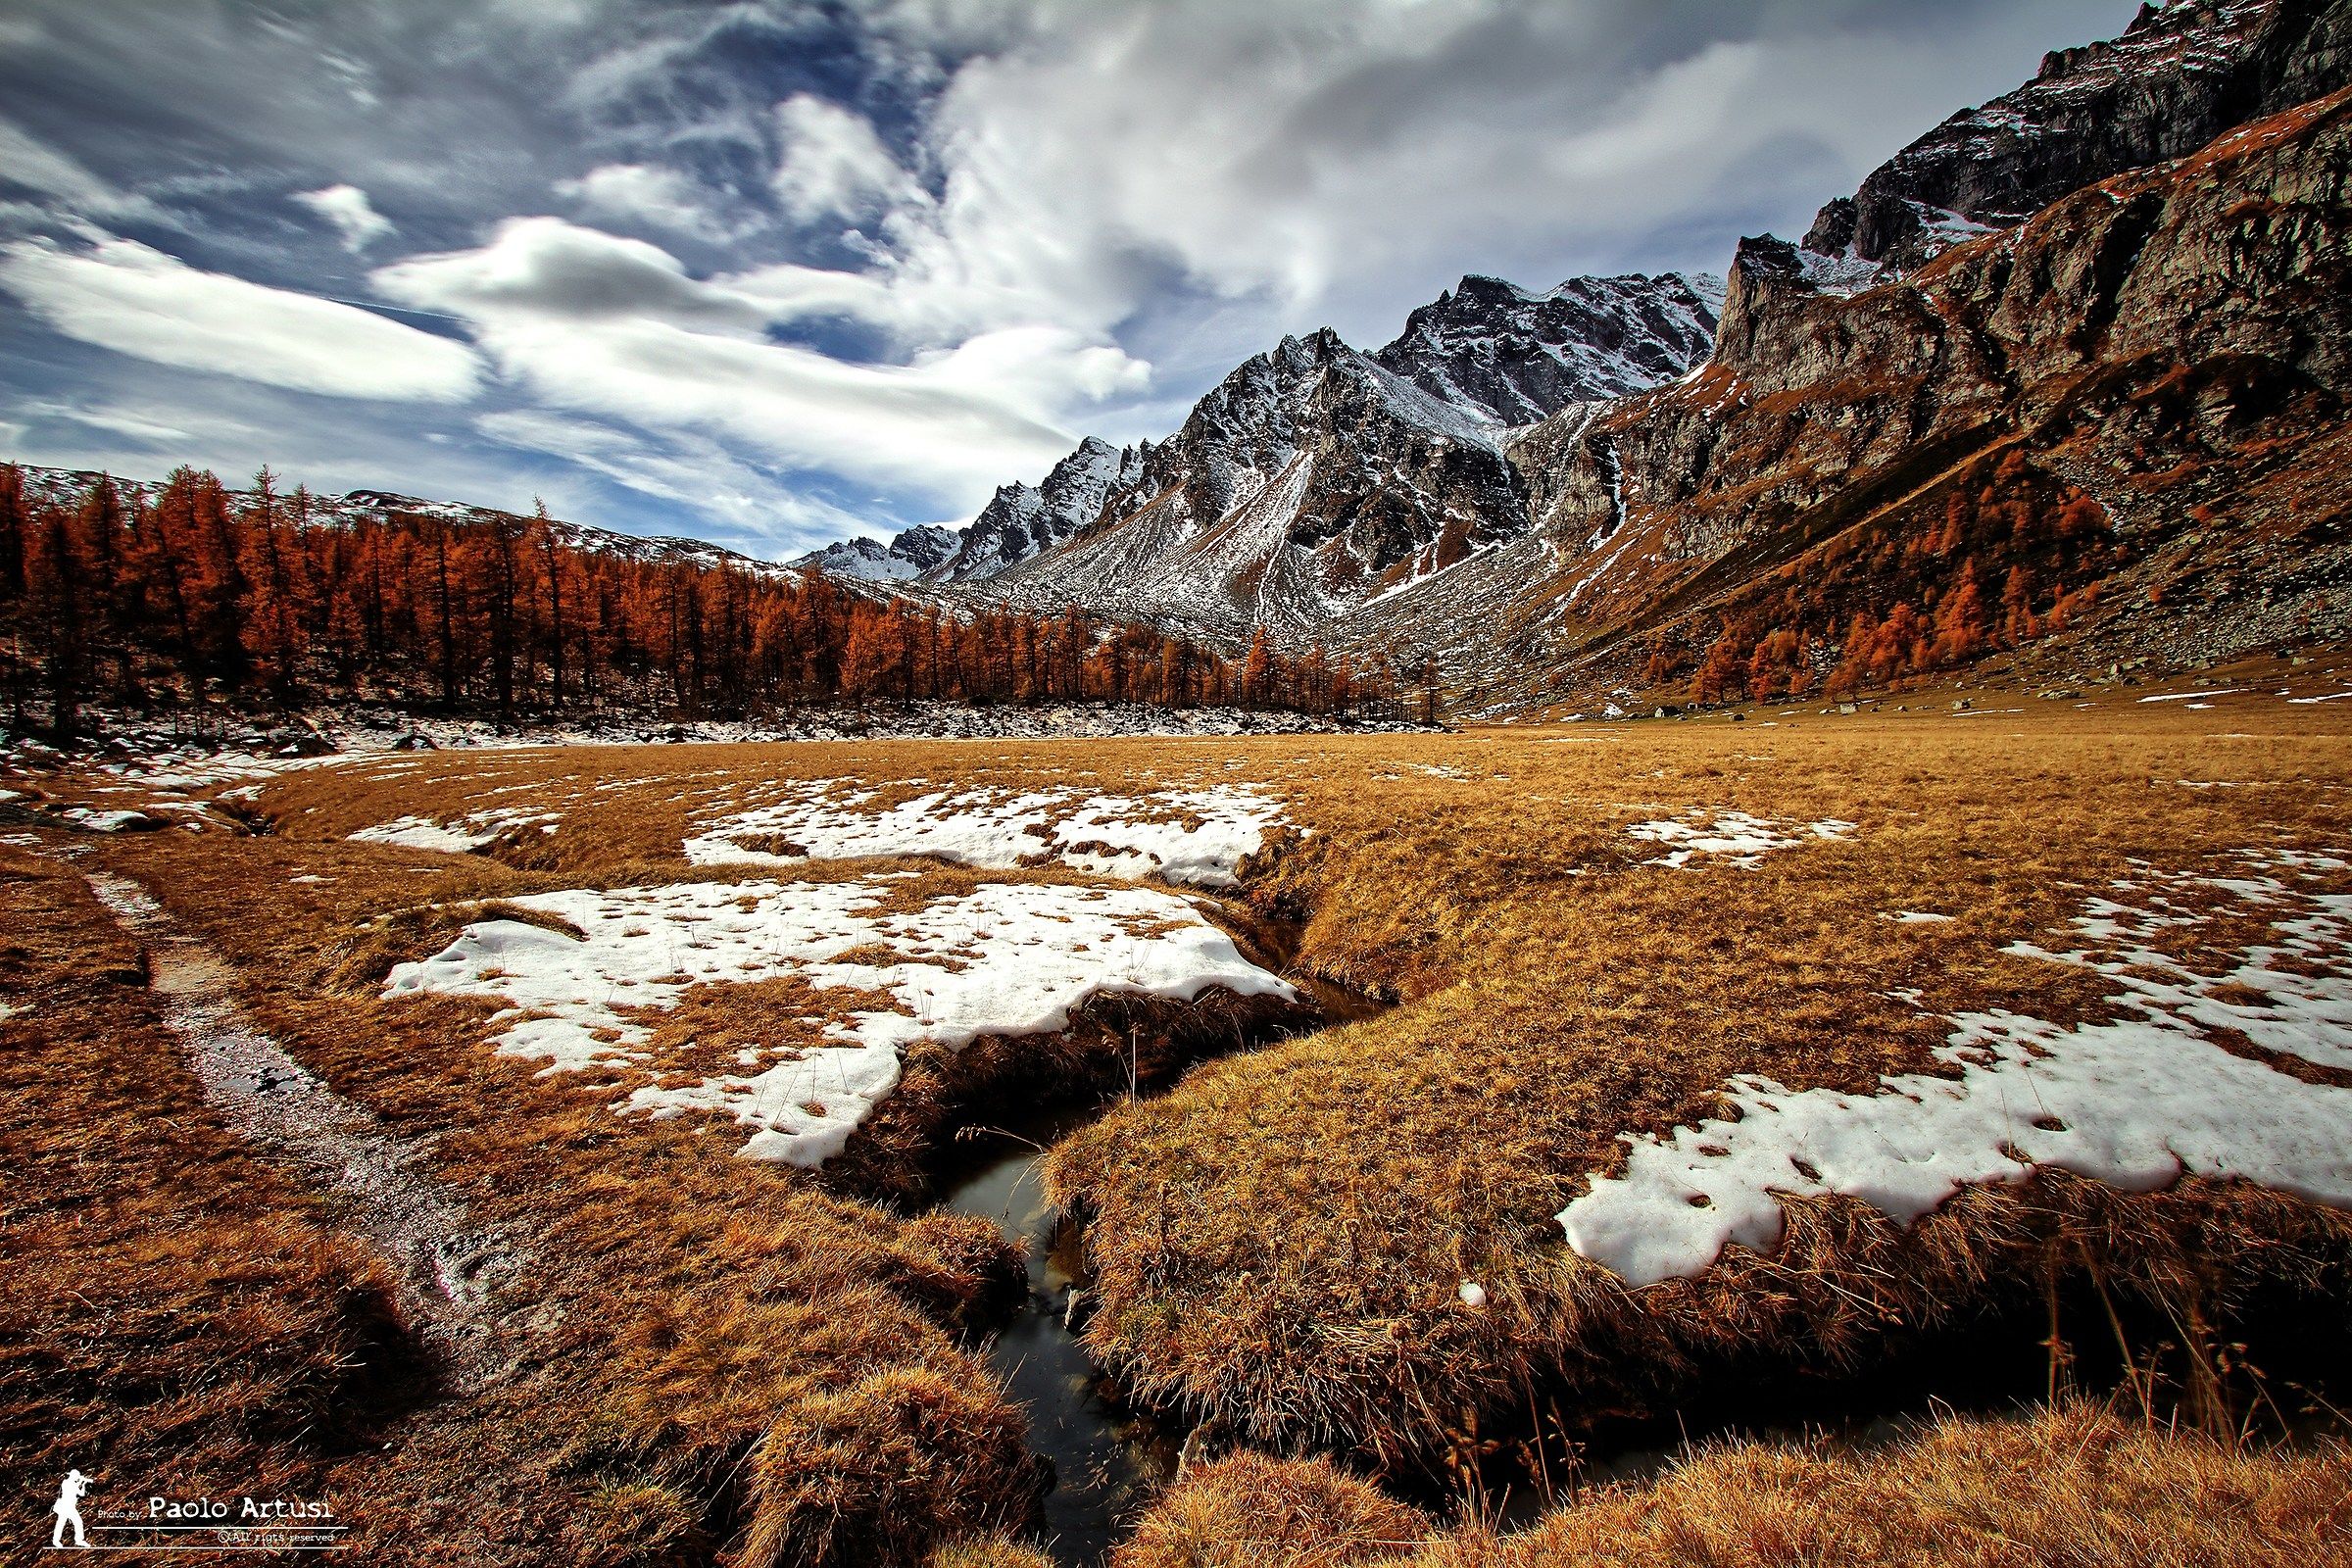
<point x="2012" y="557"/>
<point x="119" y="599"/>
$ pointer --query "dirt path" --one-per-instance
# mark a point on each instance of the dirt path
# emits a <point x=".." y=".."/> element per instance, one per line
<point x="449" y="1267"/>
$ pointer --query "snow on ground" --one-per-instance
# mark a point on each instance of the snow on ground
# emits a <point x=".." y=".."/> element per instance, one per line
<point x="96" y="820"/>
<point x="1185" y="835"/>
<point x="468" y="832"/>
<point x="1743" y="838"/>
<point x="2136" y="1101"/>
<point x="1002" y="960"/>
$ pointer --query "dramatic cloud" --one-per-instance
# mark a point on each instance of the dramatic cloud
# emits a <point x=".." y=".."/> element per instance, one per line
<point x="599" y="323"/>
<point x="766" y="267"/>
<point x="689" y="471"/>
<point x="348" y="209"/>
<point x="134" y="299"/>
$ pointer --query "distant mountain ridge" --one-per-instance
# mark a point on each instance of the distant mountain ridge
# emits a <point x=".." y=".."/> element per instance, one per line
<point x="1314" y="476"/>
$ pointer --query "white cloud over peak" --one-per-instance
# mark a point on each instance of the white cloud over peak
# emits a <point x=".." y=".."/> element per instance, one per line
<point x="136" y="300"/>
<point x="348" y="209"/>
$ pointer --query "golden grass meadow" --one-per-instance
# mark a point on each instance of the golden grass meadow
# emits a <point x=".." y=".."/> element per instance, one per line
<point x="1319" y="1235"/>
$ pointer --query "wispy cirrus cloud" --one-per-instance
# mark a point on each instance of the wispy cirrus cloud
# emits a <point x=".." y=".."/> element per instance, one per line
<point x="599" y="323"/>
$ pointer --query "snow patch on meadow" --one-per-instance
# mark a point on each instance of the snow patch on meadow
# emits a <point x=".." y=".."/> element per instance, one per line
<point x="1002" y="960"/>
<point x="1742" y="838"/>
<point x="2136" y="1102"/>
<point x="468" y="832"/>
<point x="1185" y="835"/>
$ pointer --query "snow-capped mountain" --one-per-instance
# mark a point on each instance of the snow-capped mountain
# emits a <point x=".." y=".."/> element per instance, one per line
<point x="904" y="558"/>
<point x="1316" y="477"/>
<point x="1310" y="479"/>
<point x="1025" y="521"/>
<point x="2177" y="77"/>
<point x="1511" y="357"/>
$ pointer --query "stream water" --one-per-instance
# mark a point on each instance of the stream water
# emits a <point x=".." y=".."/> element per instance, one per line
<point x="1108" y="1458"/>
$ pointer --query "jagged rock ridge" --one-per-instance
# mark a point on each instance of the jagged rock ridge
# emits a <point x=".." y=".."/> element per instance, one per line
<point x="2177" y="77"/>
<point x="1511" y="357"/>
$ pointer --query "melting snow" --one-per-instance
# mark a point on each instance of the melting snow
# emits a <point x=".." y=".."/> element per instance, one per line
<point x="1746" y="839"/>
<point x="1002" y="960"/>
<point x="2134" y="1102"/>
<point x="468" y="832"/>
<point x="1195" y="835"/>
<point x="98" y="822"/>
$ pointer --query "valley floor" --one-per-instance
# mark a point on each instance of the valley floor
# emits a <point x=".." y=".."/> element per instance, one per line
<point x="1944" y="1111"/>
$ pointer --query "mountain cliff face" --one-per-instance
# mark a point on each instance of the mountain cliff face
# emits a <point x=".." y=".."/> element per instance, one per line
<point x="2164" y="360"/>
<point x="1310" y="481"/>
<point x="1508" y="357"/>
<point x="1314" y="477"/>
<point x="2177" y="77"/>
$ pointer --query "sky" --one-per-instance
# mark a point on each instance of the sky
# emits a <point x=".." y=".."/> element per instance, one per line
<point x="775" y="273"/>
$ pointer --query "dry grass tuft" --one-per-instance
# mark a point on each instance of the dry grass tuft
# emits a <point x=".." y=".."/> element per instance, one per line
<point x="988" y="1551"/>
<point x="1272" y="1514"/>
<point x="832" y="1480"/>
<point x="2069" y="1487"/>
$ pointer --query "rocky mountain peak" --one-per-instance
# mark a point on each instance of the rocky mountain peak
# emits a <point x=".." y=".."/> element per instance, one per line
<point x="1508" y="356"/>
<point x="2179" y="76"/>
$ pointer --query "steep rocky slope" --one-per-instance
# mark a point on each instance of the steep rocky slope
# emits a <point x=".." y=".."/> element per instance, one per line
<point x="1314" y="476"/>
<point x="1308" y="481"/>
<point x="2136" y="399"/>
<point x="1510" y="356"/>
<point x="2179" y="76"/>
<point x="901" y="557"/>
<point x="1026" y="521"/>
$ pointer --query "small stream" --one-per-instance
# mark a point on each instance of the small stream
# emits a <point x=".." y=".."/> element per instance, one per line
<point x="1108" y="1458"/>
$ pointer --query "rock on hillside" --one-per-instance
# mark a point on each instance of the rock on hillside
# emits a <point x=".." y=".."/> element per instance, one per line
<point x="2174" y="344"/>
<point x="2177" y="77"/>
<point x="1508" y="357"/>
